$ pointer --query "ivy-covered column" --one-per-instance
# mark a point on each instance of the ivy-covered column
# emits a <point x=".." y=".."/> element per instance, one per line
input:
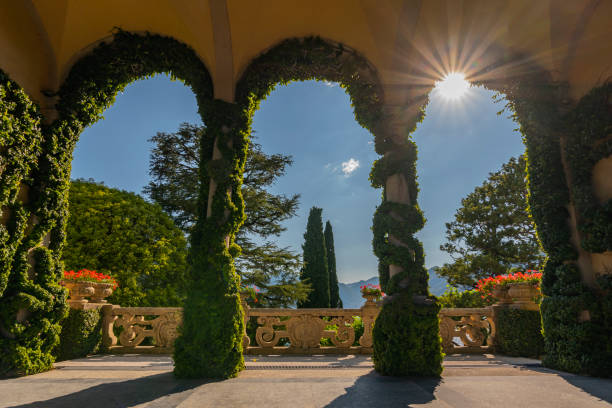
<point x="577" y="309"/>
<point x="406" y="332"/>
<point x="34" y="182"/>
<point x="210" y="344"/>
<point x="31" y="301"/>
<point x="563" y="146"/>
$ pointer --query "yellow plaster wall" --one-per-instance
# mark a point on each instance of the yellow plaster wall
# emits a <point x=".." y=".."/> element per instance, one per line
<point x="591" y="63"/>
<point x="258" y="25"/>
<point x="84" y="23"/>
<point x="22" y="53"/>
<point x="407" y="41"/>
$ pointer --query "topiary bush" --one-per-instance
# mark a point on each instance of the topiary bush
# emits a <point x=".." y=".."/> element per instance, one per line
<point x="519" y="333"/>
<point x="407" y="340"/>
<point x="81" y="334"/>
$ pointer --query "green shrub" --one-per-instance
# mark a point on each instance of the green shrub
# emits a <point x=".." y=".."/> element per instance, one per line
<point x="452" y="297"/>
<point x="357" y="326"/>
<point x="81" y="334"/>
<point x="119" y="233"/>
<point x="407" y="339"/>
<point x="519" y="333"/>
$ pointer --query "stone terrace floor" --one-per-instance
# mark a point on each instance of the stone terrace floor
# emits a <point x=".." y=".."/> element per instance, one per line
<point x="314" y="381"/>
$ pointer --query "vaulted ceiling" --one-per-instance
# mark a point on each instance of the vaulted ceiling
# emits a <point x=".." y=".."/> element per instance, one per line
<point x="411" y="43"/>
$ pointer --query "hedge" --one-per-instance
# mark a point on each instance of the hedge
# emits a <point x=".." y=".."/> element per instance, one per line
<point x="519" y="333"/>
<point x="81" y="334"/>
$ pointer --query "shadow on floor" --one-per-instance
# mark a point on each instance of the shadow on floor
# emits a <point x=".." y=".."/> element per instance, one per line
<point x="375" y="390"/>
<point x="600" y="388"/>
<point x="164" y="389"/>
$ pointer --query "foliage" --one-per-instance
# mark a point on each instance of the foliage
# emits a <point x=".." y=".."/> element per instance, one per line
<point x="334" y="291"/>
<point x="251" y="294"/>
<point x="272" y="270"/>
<point x="174" y="166"/>
<point x="81" y="334"/>
<point x="315" y="269"/>
<point x="357" y="326"/>
<point x="519" y="333"/>
<point x="86" y="275"/>
<point x="119" y="233"/>
<point x="32" y="303"/>
<point x="482" y="296"/>
<point x="492" y="230"/>
<point x="453" y="297"/>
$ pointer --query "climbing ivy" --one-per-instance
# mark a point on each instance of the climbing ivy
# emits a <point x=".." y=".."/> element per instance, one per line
<point x="406" y="333"/>
<point x="211" y="340"/>
<point x="31" y="301"/>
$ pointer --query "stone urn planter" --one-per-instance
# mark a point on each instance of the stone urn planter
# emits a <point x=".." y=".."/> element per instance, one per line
<point x="78" y="291"/>
<point x="101" y="292"/>
<point x="522" y="295"/>
<point x="370" y="299"/>
<point x="501" y="294"/>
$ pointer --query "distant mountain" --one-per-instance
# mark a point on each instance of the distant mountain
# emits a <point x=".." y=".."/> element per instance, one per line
<point x="350" y="293"/>
<point x="437" y="285"/>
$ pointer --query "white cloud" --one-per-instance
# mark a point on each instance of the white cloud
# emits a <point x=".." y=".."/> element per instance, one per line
<point x="348" y="167"/>
<point x="330" y="84"/>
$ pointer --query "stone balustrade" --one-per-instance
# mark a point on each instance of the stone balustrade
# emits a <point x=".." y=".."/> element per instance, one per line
<point x="467" y="330"/>
<point x="292" y="331"/>
<point x="140" y="329"/>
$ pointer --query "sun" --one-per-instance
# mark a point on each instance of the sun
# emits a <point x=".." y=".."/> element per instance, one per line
<point x="453" y="87"/>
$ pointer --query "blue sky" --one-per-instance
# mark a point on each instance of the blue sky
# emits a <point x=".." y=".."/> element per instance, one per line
<point x="459" y="144"/>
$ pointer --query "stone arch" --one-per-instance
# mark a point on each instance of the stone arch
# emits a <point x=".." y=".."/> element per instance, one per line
<point x="564" y="142"/>
<point x="396" y="219"/>
<point x="33" y="296"/>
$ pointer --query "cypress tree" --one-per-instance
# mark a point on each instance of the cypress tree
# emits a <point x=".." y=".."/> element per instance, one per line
<point x="315" y="261"/>
<point x="334" y="292"/>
